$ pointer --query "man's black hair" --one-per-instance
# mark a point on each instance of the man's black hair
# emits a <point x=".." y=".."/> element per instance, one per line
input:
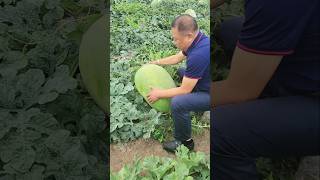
<point x="185" y="23"/>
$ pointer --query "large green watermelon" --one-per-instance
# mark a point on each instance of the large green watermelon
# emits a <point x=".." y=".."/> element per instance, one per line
<point x="94" y="60"/>
<point x="151" y="75"/>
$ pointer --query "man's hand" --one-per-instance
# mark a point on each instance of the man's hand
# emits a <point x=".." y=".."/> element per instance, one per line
<point x="186" y="87"/>
<point x="153" y="95"/>
<point x="154" y="62"/>
<point x="174" y="59"/>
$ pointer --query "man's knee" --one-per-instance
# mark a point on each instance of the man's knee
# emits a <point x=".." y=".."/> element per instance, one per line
<point x="177" y="103"/>
<point x="221" y="137"/>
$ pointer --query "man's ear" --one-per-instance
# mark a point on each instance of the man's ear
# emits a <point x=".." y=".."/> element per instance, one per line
<point x="190" y="35"/>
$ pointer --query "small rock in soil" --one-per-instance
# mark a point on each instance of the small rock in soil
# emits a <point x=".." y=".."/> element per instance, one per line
<point x="206" y="117"/>
<point x="309" y="169"/>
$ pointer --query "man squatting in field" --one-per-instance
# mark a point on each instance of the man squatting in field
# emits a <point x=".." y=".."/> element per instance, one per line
<point x="269" y="105"/>
<point x="193" y="94"/>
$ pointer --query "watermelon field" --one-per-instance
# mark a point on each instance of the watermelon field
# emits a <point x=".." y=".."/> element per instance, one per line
<point x="50" y="126"/>
<point x="140" y="33"/>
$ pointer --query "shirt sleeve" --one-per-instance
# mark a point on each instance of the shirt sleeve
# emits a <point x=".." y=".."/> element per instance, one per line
<point x="196" y="66"/>
<point x="274" y="27"/>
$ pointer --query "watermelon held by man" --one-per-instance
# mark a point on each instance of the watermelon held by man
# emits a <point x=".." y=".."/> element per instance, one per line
<point x="154" y="76"/>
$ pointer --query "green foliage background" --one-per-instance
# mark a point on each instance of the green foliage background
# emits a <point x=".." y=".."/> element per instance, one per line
<point x="49" y="126"/>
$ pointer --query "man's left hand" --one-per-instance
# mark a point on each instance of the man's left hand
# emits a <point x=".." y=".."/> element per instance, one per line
<point x="153" y="95"/>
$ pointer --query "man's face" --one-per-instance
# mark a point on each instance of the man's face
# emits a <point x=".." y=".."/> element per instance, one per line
<point x="181" y="41"/>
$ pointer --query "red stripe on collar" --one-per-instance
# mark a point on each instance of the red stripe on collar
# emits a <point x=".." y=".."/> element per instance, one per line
<point x="195" y="42"/>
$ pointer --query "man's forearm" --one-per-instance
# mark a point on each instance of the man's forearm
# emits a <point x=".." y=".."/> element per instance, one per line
<point x="174" y="59"/>
<point x="216" y="3"/>
<point x="220" y="94"/>
<point x="223" y="93"/>
<point x="168" y="93"/>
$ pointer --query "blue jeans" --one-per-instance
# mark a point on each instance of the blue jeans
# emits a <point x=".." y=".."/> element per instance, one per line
<point x="275" y="127"/>
<point x="182" y="105"/>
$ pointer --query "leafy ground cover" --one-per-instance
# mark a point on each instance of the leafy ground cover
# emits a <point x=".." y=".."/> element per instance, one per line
<point x="50" y="128"/>
<point x="186" y="166"/>
<point x="149" y="147"/>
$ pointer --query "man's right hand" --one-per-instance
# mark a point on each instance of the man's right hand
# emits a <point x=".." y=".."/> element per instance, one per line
<point x="174" y="59"/>
<point x="154" y="62"/>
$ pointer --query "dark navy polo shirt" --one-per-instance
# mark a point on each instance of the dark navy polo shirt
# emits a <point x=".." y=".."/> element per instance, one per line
<point x="290" y="28"/>
<point x="198" y="62"/>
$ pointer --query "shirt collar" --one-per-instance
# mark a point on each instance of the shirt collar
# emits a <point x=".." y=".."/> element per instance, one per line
<point x="194" y="42"/>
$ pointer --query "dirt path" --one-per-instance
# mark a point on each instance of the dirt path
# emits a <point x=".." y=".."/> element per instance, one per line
<point x="121" y="154"/>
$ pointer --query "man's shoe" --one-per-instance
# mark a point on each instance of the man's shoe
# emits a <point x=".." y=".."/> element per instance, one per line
<point x="189" y="144"/>
<point x="172" y="146"/>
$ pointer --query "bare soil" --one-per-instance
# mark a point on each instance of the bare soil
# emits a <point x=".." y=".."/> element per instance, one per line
<point x="121" y="154"/>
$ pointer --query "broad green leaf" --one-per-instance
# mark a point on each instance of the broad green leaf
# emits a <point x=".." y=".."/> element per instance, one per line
<point x="173" y="176"/>
<point x="7" y="92"/>
<point x="75" y="159"/>
<point x="23" y="160"/>
<point x="12" y="62"/>
<point x="47" y="97"/>
<point x="51" y="4"/>
<point x="60" y="81"/>
<point x="28" y="85"/>
<point x="7" y="177"/>
<point x="52" y="16"/>
<point x="55" y="140"/>
<point x="181" y="169"/>
<point x="36" y="173"/>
